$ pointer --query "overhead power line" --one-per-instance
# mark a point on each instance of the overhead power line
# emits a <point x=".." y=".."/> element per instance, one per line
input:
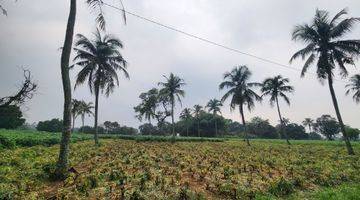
<point x="208" y="41"/>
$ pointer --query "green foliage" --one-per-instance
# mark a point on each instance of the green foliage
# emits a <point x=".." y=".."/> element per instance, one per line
<point x="260" y="128"/>
<point x="206" y="125"/>
<point x="157" y="170"/>
<point x="53" y="125"/>
<point x="11" y="117"/>
<point x="6" y="142"/>
<point x="294" y="131"/>
<point x="115" y="128"/>
<point x="327" y="126"/>
<point x="353" y="133"/>
<point x="12" y="138"/>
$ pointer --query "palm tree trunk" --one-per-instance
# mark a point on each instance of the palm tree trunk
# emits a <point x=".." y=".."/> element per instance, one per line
<point x="216" y="131"/>
<point x="310" y="128"/>
<point x="172" y="117"/>
<point x="82" y="120"/>
<point x="62" y="163"/>
<point x="338" y="115"/>
<point x="282" y="125"/>
<point x="244" y="123"/>
<point x="96" y="138"/>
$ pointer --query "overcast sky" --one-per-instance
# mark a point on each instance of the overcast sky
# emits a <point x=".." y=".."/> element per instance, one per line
<point x="33" y="32"/>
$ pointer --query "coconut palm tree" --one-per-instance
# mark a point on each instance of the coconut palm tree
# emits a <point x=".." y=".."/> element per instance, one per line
<point x="62" y="163"/>
<point x="277" y="87"/>
<point x="197" y="111"/>
<point x="326" y="48"/>
<point x="75" y="111"/>
<point x="308" y="122"/>
<point x="214" y="106"/>
<point x="149" y="102"/>
<point x="171" y="88"/>
<point x="100" y="60"/>
<point x="186" y="115"/>
<point x="240" y="90"/>
<point x="354" y="86"/>
<point x="85" y="109"/>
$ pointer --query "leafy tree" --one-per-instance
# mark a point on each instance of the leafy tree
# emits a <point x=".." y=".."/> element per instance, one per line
<point x="111" y="127"/>
<point x="233" y="127"/>
<point x="148" y="129"/>
<point x="62" y="163"/>
<point x="295" y="131"/>
<point x="309" y="123"/>
<point x="328" y="50"/>
<point x="354" y="86"/>
<point x="240" y="90"/>
<point x="11" y="116"/>
<point x="327" y="126"/>
<point x="171" y="89"/>
<point x="214" y="106"/>
<point x="277" y="87"/>
<point x="10" y="113"/>
<point x="85" y="109"/>
<point x="149" y="103"/>
<point x="100" y="60"/>
<point x="353" y="133"/>
<point x="197" y="111"/>
<point x="53" y="125"/>
<point x="186" y="116"/>
<point x="261" y="128"/>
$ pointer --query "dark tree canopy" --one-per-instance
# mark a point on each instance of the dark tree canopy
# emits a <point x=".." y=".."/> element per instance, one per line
<point x="53" y="125"/>
<point x="261" y="128"/>
<point x="11" y="117"/>
<point x="327" y="126"/>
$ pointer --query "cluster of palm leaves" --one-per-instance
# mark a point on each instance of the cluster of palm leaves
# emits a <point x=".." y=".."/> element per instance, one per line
<point x="327" y="50"/>
<point x="82" y="109"/>
<point x="98" y="79"/>
<point x="170" y="92"/>
<point x="100" y="60"/>
<point x="240" y="91"/>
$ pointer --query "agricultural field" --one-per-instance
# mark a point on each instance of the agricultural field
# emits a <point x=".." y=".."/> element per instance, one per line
<point x="16" y="138"/>
<point x="130" y="169"/>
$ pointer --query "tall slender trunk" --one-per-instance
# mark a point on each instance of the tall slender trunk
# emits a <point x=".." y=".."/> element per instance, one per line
<point x="244" y="123"/>
<point x="338" y="115"/>
<point x="96" y="138"/>
<point x="82" y="120"/>
<point x="172" y="117"/>
<point x="310" y="128"/>
<point x="151" y="125"/>
<point x="282" y="125"/>
<point x="187" y="129"/>
<point x="216" y="130"/>
<point x="62" y="163"/>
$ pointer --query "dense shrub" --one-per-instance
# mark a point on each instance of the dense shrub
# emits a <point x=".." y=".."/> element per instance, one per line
<point x="54" y="125"/>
